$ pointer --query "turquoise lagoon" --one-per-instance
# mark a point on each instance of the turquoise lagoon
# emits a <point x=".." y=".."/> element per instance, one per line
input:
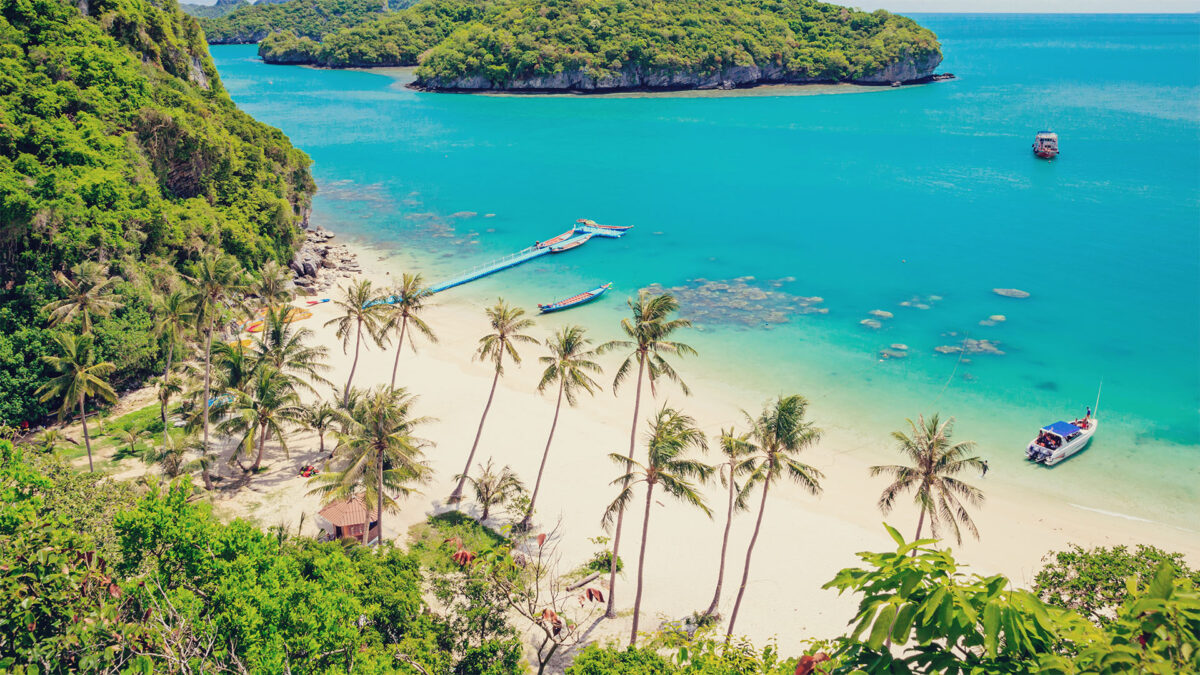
<point x="867" y="198"/>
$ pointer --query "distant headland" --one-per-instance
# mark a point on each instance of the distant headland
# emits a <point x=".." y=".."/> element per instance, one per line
<point x="591" y="45"/>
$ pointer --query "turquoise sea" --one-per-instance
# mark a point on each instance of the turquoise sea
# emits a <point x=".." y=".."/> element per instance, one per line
<point x="866" y="199"/>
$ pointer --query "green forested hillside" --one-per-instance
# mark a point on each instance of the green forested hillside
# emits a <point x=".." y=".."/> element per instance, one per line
<point x="309" y="18"/>
<point x="603" y="44"/>
<point x="394" y="39"/>
<point x="603" y="39"/>
<point x="119" y="145"/>
<point x="220" y="8"/>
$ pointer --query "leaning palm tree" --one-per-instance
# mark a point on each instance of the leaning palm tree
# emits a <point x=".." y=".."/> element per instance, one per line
<point x="79" y="378"/>
<point x="670" y="437"/>
<point x="285" y="347"/>
<point x="935" y="460"/>
<point x="271" y="284"/>
<point x="213" y="281"/>
<point x="361" y="308"/>
<point x="494" y="488"/>
<point x="648" y="332"/>
<point x="378" y="451"/>
<point x="779" y="434"/>
<point x="267" y="406"/>
<point x="88" y="293"/>
<point x="737" y="450"/>
<point x="172" y="385"/>
<point x="411" y="296"/>
<point x="320" y="417"/>
<point x="506" y="323"/>
<point x="568" y="366"/>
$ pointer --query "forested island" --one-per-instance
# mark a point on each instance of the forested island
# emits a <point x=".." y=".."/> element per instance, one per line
<point x="599" y="45"/>
<point x="313" y="19"/>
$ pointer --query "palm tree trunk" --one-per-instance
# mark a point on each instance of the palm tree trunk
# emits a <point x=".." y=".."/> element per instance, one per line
<point x="712" y="607"/>
<point x="611" y="612"/>
<point x="262" y="444"/>
<point x="920" y="524"/>
<point x="545" y="454"/>
<point x="749" y="551"/>
<point x="207" y="393"/>
<point x="399" y="348"/>
<point x="379" y="496"/>
<point x="86" y="440"/>
<point x="637" y="597"/>
<point x="166" y="372"/>
<point x="321" y="440"/>
<point x="456" y="496"/>
<point x="353" y="366"/>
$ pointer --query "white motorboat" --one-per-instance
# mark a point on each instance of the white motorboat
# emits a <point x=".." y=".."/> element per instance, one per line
<point x="1058" y="441"/>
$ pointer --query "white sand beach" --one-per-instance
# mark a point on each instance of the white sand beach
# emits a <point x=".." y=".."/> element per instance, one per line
<point x="805" y="539"/>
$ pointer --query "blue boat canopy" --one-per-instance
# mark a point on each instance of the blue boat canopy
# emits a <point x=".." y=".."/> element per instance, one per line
<point x="1063" y="429"/>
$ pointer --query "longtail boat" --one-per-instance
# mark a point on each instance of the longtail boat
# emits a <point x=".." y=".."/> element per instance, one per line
<point x="576" y="300"/>
<point x="557" y="240"/>
<point x="591" y="223"/>
<point x="570" y="244"/>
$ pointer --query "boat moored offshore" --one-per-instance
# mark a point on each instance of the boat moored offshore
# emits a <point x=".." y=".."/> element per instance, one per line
<point x="1045" y="145"/>
<point x="1058" y="441"/>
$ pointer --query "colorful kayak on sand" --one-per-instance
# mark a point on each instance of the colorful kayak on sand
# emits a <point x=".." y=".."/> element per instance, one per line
<point x="576" y="300"/>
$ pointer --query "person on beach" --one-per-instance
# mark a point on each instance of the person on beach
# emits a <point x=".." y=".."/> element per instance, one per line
<point x="985" y="469"/>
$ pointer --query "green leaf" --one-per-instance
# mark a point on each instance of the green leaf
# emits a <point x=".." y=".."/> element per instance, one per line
<point x="991" y="628"/>
<point x="903" y="623"/>
<point x="883" y="624"/>
<point x="896" y="536"/>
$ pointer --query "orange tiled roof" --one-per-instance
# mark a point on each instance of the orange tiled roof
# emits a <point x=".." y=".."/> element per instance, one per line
<point x="345" y="512"/>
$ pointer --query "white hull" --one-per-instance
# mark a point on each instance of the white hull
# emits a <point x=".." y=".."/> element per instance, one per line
<point x="1048" y="457"/>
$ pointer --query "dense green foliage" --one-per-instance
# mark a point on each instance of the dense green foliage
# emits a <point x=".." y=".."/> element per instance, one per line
<point x="607" y="41"/>
<point x="119" y="144"/>
<point x="1092" y="581"/>
<point x="310" y="18"/>
<point x="395" y="39"/>
<point x="919" y="613"/>
<point x="93" y="578"/>
<point x="801" y="39"/>
<point x="220" y="8"/>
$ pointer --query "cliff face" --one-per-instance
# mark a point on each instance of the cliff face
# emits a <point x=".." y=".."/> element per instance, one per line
<point x="904" y="70"/>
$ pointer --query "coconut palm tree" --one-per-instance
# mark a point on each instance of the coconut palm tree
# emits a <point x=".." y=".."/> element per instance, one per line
<point x="267" y="406"/>
<point x="173" y="314"/>
<point x="235" y="366"/>
<point x="411" y="297"/>
<point x="130" y="438"/>
<point x="779" y="434"/>
<point x="320" y="417"/>
<point x="648" y="331"/>
<point x="214" y="280"/>
<point x="567" y="368"/>
<point x="88" y="293"/>
<point x="935" y="460"/>
<point x="79" y="378"/>
<point x="361" y="308"/>
<point x="506" y="323"/>
<point x="737" y="450"/>
<point x="378" y="451"/>
<point x="494" y="488"/>
<point x="285" y="347"/>
<point x="271" y="284"/>
<point x="670" y="437"/>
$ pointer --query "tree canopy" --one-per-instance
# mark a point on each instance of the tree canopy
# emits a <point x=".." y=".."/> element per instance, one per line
<point x="119" y="145"/>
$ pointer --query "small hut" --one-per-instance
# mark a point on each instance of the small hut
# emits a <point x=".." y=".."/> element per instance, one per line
<point x="346" y="518"/>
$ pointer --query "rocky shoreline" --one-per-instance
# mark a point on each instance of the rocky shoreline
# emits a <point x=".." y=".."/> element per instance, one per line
<point x="318" y="265"/>
<point x="909" y="70"/>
